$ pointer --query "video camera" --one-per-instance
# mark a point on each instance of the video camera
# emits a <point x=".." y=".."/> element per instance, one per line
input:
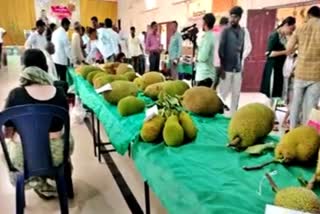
<point x="190" y="33"/>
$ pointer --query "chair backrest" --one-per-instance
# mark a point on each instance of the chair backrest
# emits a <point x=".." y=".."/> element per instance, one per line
<point x="32" y="123"/>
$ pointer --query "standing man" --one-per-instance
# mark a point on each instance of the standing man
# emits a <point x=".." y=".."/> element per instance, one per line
<point x="306" y="89"/>
<point x="37" y="40"/>
<point x="95" y="22"/>
<point x="135" y="50"/>
<point x="2" y="33"/>
<point x="153" y="47"/>
<point x="232" y="52"/>
<point x="205" y="71"/>
<point x="62" y="45"/>
<point x="175" y="51"/>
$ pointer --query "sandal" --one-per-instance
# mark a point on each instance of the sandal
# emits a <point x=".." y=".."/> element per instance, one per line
<point x="46" y="191"/>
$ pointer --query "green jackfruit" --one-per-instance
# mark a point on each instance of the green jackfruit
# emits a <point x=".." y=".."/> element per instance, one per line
<point x="130" y="105"/>
<point x="188" y="126"/>
<point x="120" y="90"/>
<point x="86" y="69"/>
<point x="124" y="68"/>
<point x="298" y="198"/>
<point x="101" y="81"/>
<point x="177" y="87"/>
<point x="250" y="124"/>
<point x="203" y="101"/>
<point x="151" y="78"/>
<point x="138" y="82"/>
<point x="154" y="90"/>
<point x="173" y="133"/>
<point x="91" y="75"/>
<point x="130" y="76"/>
<point x="152" y="129"/>
<point x="98" y="76"/>
<point x="301" y="145"/>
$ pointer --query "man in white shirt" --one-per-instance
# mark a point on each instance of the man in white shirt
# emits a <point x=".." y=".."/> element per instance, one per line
<point x="37" y="40"/>
<point x="2" y="33"/>
<point x="108" y="41"/>
<point x="62" y="45"/>
<point x="135" y="50"/>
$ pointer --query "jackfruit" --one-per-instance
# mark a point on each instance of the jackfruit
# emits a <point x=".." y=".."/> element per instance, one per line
<point x="298" y="198"/>
<point x="177" y="87"/>
<point x="110" y="67"/>
<point x="202" y="101"/>
<point x="130" y="76"/>
<point x="130" y="105"/>
<point x="124" y="68"/>
<point x="98" y="76"/>
<point x="188" y="126"/>
<point x="86" y="69"/>
<point x="101" y="81"/>
<point x="154" y="90"/>
<point x="151" y="78"/>
<point x="173" y="133"/>
<point x="250" y="124"/>
<point x="152" y="129"/>
<point x="120" y="90"/>
<point x="301" y="145"/>
<point x="91" y="75"/>
<point x="138" y="82"/>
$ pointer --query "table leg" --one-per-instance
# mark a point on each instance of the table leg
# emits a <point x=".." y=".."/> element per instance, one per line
<point x="94" y="133"/>
<point x="147" y="197"/>
<point x="99" y="140"/>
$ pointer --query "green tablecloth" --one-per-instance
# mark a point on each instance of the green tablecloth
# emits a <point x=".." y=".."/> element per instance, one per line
<point x="121" y="130"/>
<point x="183" y="68"/>
<point x="205" y="176"/>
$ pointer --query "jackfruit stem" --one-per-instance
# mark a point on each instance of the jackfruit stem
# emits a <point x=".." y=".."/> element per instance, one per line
<point x="274" y="186"/>
<point x="251" y="168"/>
<point x="235" y="142"/>
<point x="312" y="182"/>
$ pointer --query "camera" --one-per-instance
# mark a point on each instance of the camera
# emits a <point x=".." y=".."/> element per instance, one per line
<point x="190" y="33"/>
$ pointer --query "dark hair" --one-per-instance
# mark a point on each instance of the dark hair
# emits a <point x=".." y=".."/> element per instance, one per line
<point x="77" y="29"/>
<point x="35" y="57"/>
<point x="224" y="20"/>
<point x="238" y="11"/>
<point x="94" y="18"/>
<point x="83" y="29"/>
<point x="289" y="21"/>
<point x="175" y="22"/>
<point x="40" y="23"/>
<point x="153" y="23"/>
<point x="132" y="28"/>
<point x="119" y="56"/>
<point x="108" y="23"/>
<point x="52" y="26"/>
<point x="314" y="12"/>
<point x="65" y="21"/>
<point x="91" y="30"/>
<point x="210" y="20"/>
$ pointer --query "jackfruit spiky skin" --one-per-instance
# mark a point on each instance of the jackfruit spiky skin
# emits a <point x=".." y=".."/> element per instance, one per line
<point x="130" y="105"/>
<point x="251" y="123"/>
<point x="203" y="101"/>
<point x="124" y="68"/>
<point x="86" y="69"/>
<point x="177" y="87"/>
<point x="91" y="75"/>
<point x="130" y="76"/>
<point x="173" y="133"/>
<point x="120" y="90"/>
<point x="98" y="76"/>
<point x="188" y="125"/>
<point x="298" y="198"/>
<point x="110" y="67"/>
<point x="154" y="90"/>
<point x="301" y="145"/>
<point x="101" y="81"/>
<point x="152" y="129"/>
<point x="138" y="82"/>
<point x="151" y="78"/>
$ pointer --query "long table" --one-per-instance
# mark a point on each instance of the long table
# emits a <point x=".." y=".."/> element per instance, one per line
<point x="199" y="177"/>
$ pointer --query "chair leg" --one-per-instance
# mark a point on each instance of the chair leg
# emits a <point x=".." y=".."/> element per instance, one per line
<point x="20" y="195"/>
<point x="68" y="180"/>
<point x="62" y="192"/>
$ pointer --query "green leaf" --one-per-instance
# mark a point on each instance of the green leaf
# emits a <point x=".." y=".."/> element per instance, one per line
<point x="260" y="148"/>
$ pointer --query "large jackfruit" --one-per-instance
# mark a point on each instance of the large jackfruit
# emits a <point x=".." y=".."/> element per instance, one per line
<point x="110" y="67"/>
<point x="150" y="78"/>
<point x="298" y="198"/>
<point x="91" y="76"/>
<point x="188" y="125"/>
<point x="173" y="133"/>
<point x="120" y="90"/>
<point x="203" y="101"/>
<point x="138" y="82"/>
<point x="130" y="105"/>
<point x="250" y="124"/>
<point x="86" y="69"/>
<point x="301" y="145"/>
<point x="98" y="76"/>
<point x="124" y="68"/>
<point x="152" y="129"/>
<point x="131" y="76"/>
<point x="154" y="90"/>
<point x="177" y="87"/>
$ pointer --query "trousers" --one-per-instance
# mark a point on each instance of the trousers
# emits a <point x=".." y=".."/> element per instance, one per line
<point x="62" y="71"/>
<point x="231" y="85"/>
<point x="154" y="59"/>
<point x="306" y="95"/>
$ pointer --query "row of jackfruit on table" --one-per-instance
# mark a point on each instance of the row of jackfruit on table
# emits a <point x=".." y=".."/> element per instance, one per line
<point x="249" y="125"/>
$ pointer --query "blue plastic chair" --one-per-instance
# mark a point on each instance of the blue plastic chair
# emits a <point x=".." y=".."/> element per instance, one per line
<point x="33" y="122"/>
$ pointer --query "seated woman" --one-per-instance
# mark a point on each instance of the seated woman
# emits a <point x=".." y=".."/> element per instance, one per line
<point x="36" y="88"/>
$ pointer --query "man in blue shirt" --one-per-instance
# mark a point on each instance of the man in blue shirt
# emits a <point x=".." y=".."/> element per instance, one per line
<point x="175" y="51"/>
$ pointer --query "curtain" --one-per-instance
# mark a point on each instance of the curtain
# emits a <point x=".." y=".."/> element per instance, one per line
<point x="16" y="16"/>
<point x="98" y="8"/>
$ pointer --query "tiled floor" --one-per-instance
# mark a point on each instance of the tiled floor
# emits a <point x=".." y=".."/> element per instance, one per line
<point x="95" y="188"/>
